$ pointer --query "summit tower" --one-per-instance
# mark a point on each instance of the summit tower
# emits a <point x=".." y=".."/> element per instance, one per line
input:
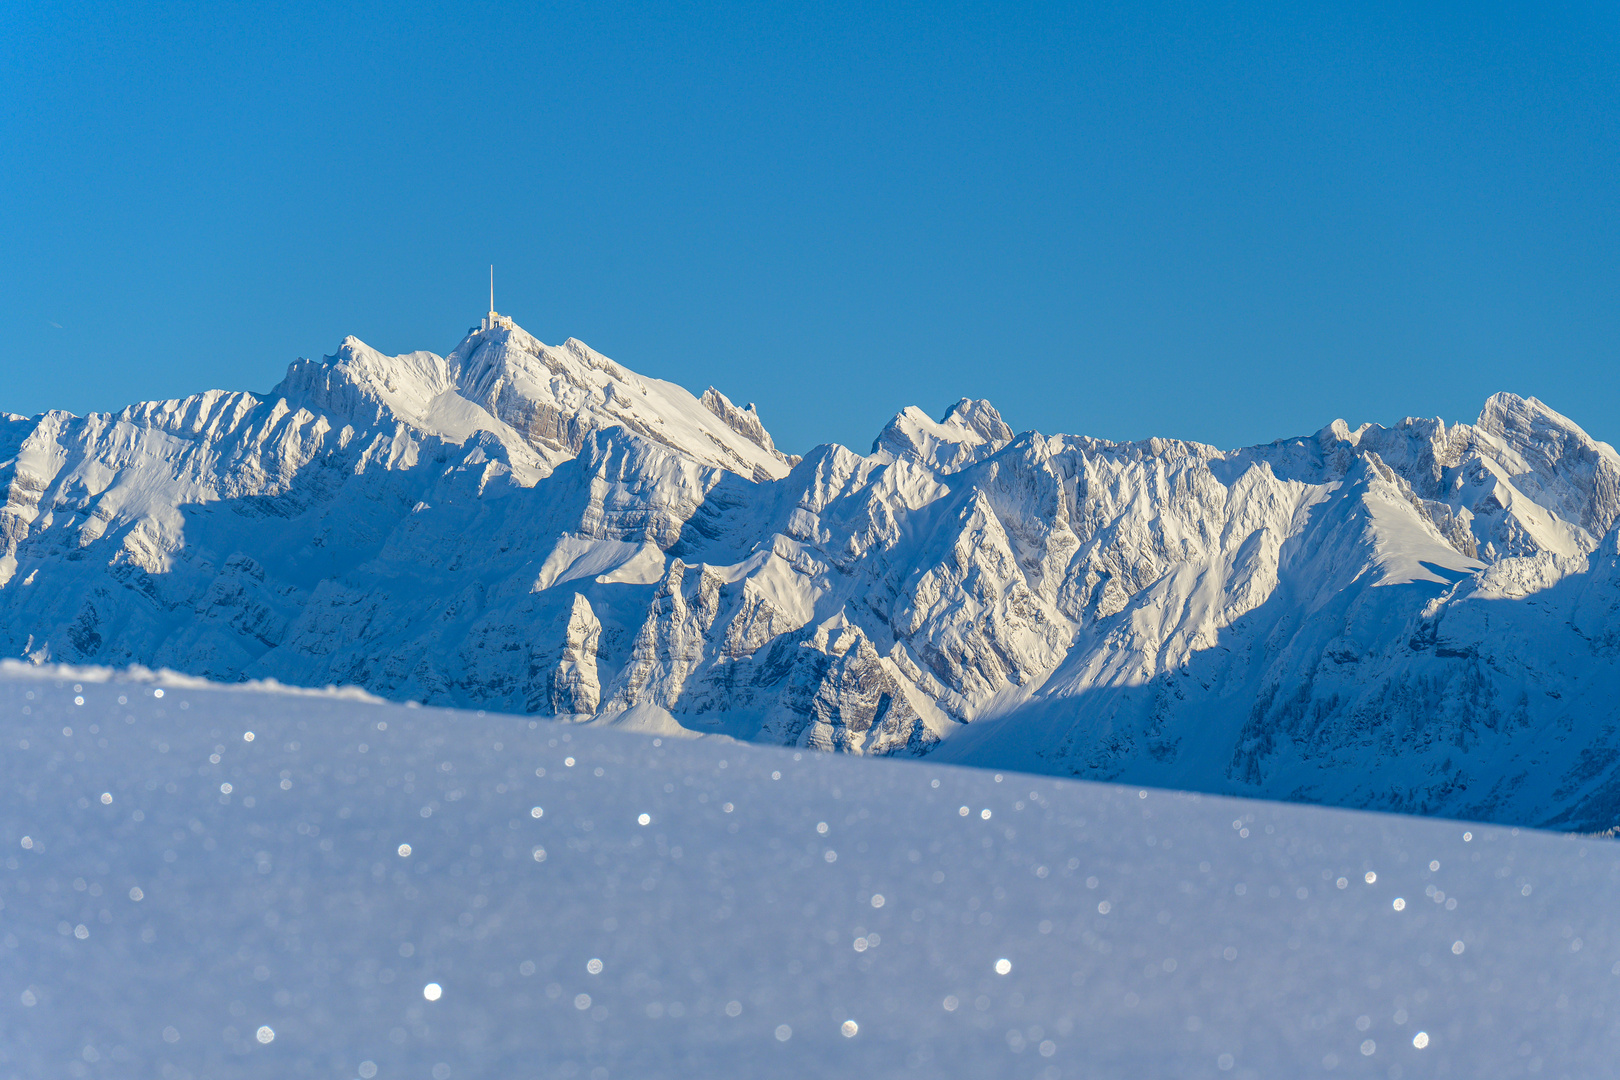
<point x="493" y="318"/>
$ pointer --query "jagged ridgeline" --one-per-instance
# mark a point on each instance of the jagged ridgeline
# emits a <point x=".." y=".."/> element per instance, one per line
<point x="1421" y="618"/>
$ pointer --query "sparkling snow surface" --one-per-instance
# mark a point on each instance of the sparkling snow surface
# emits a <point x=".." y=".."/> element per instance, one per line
<point x="375" y="891"/>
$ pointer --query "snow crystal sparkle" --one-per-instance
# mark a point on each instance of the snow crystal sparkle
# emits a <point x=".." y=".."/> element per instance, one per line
<point x="1139" y="981"/>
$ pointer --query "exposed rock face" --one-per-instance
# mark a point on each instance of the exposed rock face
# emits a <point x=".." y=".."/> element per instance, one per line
<point x="1421" y="617"/>
<point x="744" y="421"/>
<point x="840" y="696"/>
<point x="574" y="685"/>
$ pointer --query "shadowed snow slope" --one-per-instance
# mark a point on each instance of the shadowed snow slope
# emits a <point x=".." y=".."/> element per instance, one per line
<point x="177" y="901"/>
<point x="1423" y="617"/>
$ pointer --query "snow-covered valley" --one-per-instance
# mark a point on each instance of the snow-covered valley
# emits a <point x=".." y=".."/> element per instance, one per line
<point x="1423" y="618"/>
<point x="249" y="882"/>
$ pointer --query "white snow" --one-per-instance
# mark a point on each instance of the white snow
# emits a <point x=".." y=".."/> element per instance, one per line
<point x="368" y="890"/>
<point x="1418" y="617"/>
<point x="577" y="558"/>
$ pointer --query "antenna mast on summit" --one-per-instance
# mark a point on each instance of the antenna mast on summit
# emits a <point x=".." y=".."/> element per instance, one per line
<point x="492" y="320"/>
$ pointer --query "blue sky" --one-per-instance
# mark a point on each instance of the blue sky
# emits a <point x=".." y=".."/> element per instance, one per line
<point x="1223" y="222"/>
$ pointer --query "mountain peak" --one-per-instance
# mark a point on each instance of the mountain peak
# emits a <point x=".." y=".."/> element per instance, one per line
<point x="981" y="418"/>
<point x="554" y="396"/>
<point x="360" y="382"/>
<point x="546" y="399"/>
<point x="970" y="430"/>
<point x="1518" y="418"/>
<point x="745" y="421"/>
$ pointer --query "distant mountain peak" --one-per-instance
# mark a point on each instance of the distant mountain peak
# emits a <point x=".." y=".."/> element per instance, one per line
<point x="543" y="400"/>
<point x="970" y="430"/>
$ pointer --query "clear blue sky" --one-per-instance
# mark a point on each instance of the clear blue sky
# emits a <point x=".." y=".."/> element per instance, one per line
<point x="1224" y="222"/>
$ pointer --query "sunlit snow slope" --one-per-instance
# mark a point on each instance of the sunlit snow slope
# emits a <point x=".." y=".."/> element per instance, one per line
<point x="180" y="902"/>
<point x="1424" y="617"/>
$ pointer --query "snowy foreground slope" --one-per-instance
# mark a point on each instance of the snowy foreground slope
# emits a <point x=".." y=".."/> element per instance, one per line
<point x="1423" y="617"/>
<point x="181" y="902"/>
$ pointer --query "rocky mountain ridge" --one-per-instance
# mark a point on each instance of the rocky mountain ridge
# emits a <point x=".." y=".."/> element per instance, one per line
<point x="1424" y="617"/>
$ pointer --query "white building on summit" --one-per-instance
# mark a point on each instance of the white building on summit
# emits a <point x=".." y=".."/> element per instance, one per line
<point x="494" y="318"/>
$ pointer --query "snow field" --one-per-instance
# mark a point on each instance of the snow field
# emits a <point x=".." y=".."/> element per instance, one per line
<point x="380" y="891"/>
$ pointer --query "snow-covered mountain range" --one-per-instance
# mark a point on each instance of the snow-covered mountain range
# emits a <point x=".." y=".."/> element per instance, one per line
<point x="1422" y="618"/>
